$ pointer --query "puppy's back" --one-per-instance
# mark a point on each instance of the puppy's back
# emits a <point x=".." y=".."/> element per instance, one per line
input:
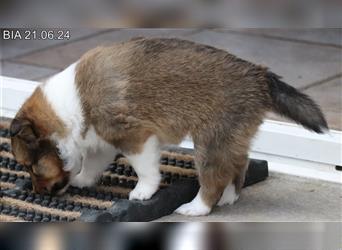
<point x="174" y="83"/>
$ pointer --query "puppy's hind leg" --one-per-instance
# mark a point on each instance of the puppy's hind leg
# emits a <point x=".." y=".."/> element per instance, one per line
<point x="232" y="191"/>
<point x="217" y="168"/>
<point x="146" y="165"/>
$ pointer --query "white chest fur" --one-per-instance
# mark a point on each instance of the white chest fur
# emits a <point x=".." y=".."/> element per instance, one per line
<point x="61" y="92"/>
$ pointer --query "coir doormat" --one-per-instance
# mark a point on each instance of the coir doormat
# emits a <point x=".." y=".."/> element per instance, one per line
<point x="107" y="201"/>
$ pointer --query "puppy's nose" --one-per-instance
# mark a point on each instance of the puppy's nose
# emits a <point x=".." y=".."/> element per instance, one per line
<point x="40" y="190"/>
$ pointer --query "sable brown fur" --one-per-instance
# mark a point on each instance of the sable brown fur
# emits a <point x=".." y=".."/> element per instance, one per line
<point x="171" y="88"/>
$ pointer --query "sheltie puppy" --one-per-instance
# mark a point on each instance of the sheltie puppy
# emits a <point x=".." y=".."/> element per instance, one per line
<point x="133" y="97"/>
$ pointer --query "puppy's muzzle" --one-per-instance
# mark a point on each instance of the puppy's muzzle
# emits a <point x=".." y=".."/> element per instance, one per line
<point x="60" y="187"/>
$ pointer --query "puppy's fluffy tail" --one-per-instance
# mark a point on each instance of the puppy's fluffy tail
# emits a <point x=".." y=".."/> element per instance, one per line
<point x="291" y="103"/>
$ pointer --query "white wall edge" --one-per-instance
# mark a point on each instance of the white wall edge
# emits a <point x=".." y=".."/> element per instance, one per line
<point x="288" y="148"/>
<point x="13" y="93"/>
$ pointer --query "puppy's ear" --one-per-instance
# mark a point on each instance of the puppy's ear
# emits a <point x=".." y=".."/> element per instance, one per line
<point x="23" y="129"/>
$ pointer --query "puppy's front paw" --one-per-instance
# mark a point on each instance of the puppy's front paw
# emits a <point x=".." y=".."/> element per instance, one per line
<point x="143" y="191"/>
<point x="82" y="181"/>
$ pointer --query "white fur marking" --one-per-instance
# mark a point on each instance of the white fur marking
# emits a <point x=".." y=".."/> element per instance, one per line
<point x="196" y="207"/>
<point x="146" y="165"/>
<point x="61" y="92"/>
<point x="229" y="196"/>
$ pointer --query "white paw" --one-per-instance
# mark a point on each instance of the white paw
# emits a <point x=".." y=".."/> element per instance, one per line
<point x="229" y="196"/>
<point x="82" y="181"/>
<point x="194" y="208"/>
<point x="143" y="191"/>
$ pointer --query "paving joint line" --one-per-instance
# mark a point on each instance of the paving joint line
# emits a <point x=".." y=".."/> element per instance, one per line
<point x="323" y="81"/>
<point x="301" y="41"/>
<point x="44" y="77"/>
<point x="194" y="31"/>
<point x="29" y="64"/>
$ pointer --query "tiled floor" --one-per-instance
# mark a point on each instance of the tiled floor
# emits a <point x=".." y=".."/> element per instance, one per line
<point x="307" y="59"/>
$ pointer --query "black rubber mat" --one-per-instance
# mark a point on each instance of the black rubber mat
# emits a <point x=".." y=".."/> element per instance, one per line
<point x="107" y="201"/>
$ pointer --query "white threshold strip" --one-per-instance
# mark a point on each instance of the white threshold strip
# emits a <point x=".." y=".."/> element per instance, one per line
<point x="288" y="148"/>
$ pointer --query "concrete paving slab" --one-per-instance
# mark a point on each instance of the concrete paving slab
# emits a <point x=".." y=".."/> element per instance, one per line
<point x="299" y="64"/>
<point x="329" y="97"/>
<point x="25" y="71"/>
<point x="326" y="37"/>
<point x="14" y="48"/>
<point x="60" y="57"/>
<point x="280" y="198"/>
